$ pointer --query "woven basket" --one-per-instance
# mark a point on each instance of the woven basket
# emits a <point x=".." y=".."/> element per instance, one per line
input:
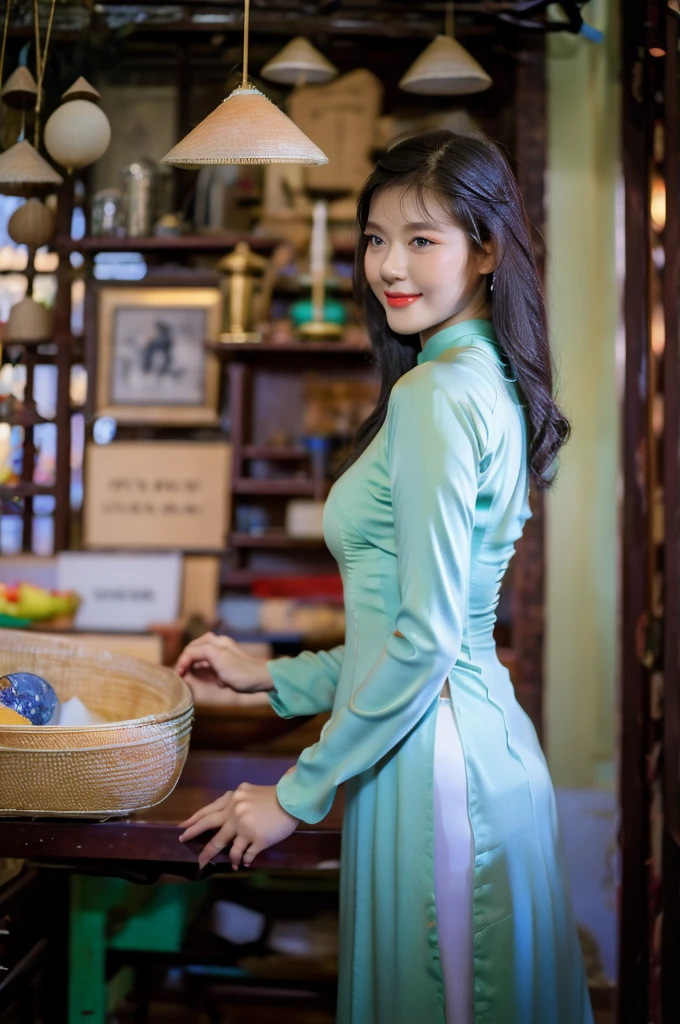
<point x="131" y="762"/>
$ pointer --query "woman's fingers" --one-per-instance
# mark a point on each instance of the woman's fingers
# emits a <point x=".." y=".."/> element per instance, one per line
<point x="251" y="853"/>
<point x="203" y="650"/>
<point x="216" y="844"/>
<point x="202" y="691"/>
<point x="220" y="804"/>
<point x="238" y="849"/>
<point x="210" y="821"/>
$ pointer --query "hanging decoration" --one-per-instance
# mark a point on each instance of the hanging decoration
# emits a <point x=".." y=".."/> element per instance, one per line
<point x="20" y="91"/>
<point x="78" y="132"/>
<point x="299" y="63"/>
<point x="29" y="322"/>
<point x="23" y="171"/>
<point x="32" y="224"/>
<point x="445" y="68"/>
<point x="246" y="128"/>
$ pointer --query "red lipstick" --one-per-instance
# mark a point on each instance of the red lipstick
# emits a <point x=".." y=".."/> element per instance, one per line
<point x="400" y="299"/>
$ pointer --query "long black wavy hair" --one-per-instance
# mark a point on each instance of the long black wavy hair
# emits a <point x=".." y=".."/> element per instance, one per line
<point x="472" y="179"/>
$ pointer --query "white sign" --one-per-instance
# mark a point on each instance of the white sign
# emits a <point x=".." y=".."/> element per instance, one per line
<point x="122" y="593"/>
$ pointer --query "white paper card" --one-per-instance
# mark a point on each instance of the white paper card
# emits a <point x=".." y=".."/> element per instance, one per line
<point x="122" y="593"/>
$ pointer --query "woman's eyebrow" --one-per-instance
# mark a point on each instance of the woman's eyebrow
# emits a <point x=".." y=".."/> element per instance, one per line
<point x="414" y="225"/>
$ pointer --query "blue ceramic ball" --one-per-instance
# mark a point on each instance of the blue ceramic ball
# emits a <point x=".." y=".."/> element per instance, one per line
<point x="28" y="695"/>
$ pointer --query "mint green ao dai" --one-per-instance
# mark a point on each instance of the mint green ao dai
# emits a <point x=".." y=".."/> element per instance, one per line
<point x="423" y="526"/>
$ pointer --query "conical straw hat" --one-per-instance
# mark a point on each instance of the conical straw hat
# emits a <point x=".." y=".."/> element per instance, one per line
<point x="23" y="169"/>
<point x="299" y="60"/>
<point x="445" y="68"/>
<point x="20" y="90"/>
<point x="246" y="128"/>
<point x="81" y="90"/>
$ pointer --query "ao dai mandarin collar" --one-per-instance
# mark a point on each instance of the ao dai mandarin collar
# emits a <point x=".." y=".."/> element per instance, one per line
<point x="458" y="336"/>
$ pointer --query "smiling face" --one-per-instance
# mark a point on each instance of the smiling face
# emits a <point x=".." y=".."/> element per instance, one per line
<point x="420" y="265"/>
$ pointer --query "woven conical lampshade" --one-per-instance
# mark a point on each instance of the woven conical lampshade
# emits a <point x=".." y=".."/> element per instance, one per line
<point x="20" y="89"/>
<point x="445" y="68"/>
<point x="246" y="128"/>
<point x="81" y="90"/>
<point x="23" y="170"/>
<point x="297" y="62"/>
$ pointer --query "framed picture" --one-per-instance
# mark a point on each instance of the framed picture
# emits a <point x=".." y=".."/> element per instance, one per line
<point x="152" y="363"/>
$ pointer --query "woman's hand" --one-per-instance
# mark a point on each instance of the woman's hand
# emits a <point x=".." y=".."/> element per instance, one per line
<point x="219" y="660"/>
<point x="250" y="818"/>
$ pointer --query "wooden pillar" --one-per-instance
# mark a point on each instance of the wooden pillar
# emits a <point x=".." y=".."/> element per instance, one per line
<point x="670" y="894"/>
<point x="64" y="342"/>
<point x="528" y="578"/>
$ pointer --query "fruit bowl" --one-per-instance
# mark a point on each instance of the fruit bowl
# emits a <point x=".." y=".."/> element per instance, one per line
<point x="14" y="622"/>
<point x="22" y="605"/>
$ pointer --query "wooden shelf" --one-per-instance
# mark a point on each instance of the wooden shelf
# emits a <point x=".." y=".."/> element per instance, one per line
<point x="274" y="539"/>
<point x="25" y="418"/>
<point x="34" y="419"/>
<point x="27" y="342"/>
<point x="240" y="577"/>
<point x="26" y="490"/>
<point x="272" y="453"/>
<point x="254" y="636"/>
<point x="326" y="349"/>
<point x="222" y="242"/>
<point x="284" y="487"/>
<point x="247" y="577"/>
<point x="340" y="287"/>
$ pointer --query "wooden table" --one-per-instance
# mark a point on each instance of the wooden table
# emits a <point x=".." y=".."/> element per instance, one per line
<point x="145" y="848"/>
<point x="148" y="843"/>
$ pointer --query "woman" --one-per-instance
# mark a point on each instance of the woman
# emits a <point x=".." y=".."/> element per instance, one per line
<point x="454" y="903"/>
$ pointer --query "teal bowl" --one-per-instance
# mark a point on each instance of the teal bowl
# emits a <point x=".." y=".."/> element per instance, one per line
<point x="302" y="311"/>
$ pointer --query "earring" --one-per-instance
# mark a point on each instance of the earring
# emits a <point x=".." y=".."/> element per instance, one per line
<point x="493" y="279"/>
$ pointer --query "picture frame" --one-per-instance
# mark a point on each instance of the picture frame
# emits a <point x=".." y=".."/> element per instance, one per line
<point x="152" y="364"/>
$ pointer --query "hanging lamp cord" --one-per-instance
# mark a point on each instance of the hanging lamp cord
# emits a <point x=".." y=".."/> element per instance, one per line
<point x="246" y="22"/>
<point x="4" y="38"/>
<point x="36" y="29"/>
<point x="448" y="22"/>
<point x="40" y="68"/>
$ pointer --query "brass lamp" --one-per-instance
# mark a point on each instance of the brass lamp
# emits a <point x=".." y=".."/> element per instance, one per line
<point x="241" y="269"/>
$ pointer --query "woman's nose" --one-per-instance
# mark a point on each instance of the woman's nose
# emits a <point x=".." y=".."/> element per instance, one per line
<point x="393" y="266"/>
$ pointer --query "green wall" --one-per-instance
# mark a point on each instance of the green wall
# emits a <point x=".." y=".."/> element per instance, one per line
<point x="581" y="513"/>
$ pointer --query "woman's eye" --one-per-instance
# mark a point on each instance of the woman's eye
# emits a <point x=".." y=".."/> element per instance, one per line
<point x="425" y="242"/>
<point x="374" y="240"/>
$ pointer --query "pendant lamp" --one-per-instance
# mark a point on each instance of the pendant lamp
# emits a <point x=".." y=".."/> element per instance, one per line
<point x="445" y="68"/>
<point x="299" y="63"/>
<point x="20" y="90"/>
<point x="23" y="170"/>
<point x="246" y="128"/>
<point x="78" y="132"/>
